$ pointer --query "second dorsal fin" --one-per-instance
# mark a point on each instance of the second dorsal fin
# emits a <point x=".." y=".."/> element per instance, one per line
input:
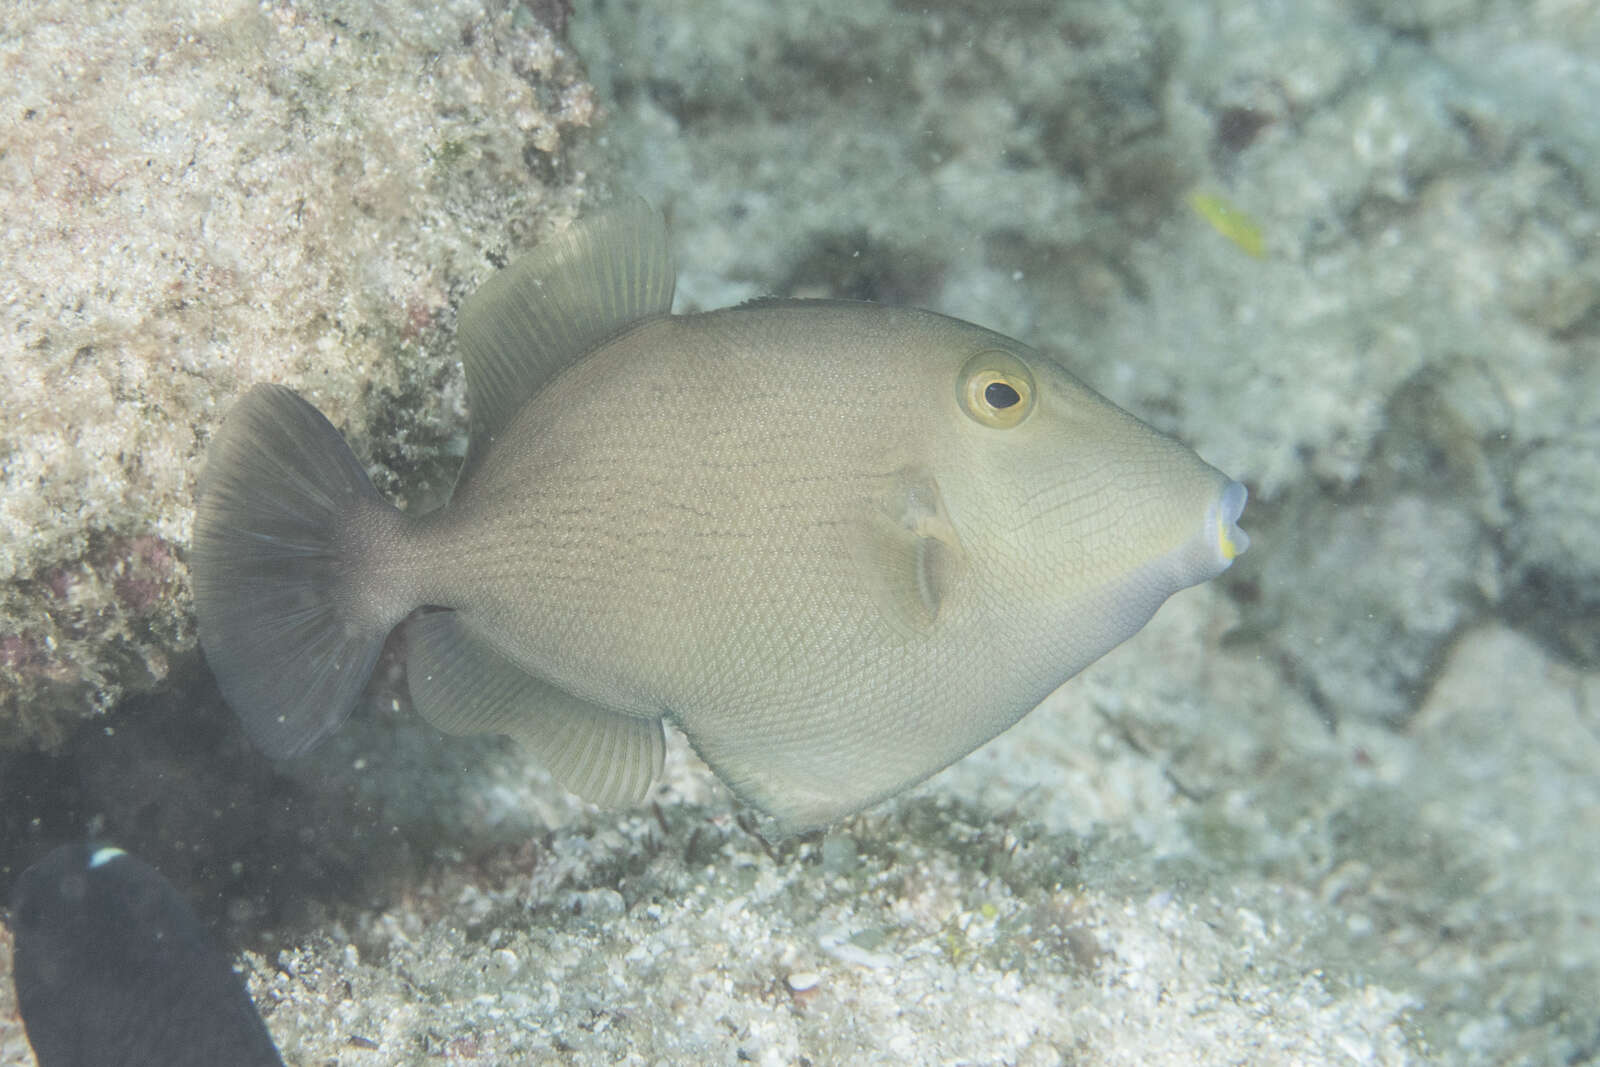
<point x="539" y="315"/>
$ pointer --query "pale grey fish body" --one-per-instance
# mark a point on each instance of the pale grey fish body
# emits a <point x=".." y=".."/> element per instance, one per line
<point x="780" y="527"/>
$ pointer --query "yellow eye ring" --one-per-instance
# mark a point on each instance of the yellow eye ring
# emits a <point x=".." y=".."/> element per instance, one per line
<point x="996" y="388"/>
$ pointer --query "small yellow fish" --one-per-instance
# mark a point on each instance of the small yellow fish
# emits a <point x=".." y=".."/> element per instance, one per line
<point x="839" y="545"/>
<point x="1230" y="222"/>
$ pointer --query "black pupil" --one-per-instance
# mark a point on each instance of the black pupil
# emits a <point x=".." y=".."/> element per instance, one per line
<point x="1000" y="395"/>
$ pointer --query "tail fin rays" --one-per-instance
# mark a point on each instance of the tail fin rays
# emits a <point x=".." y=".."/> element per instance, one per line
<point x="277" y="587"/>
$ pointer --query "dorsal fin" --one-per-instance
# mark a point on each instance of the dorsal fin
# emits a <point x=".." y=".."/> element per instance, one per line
<point x="758" y="303"/>
<point x="539" y="315"/>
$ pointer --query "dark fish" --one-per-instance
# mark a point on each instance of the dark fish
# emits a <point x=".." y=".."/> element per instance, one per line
<point x="113" y="969"/>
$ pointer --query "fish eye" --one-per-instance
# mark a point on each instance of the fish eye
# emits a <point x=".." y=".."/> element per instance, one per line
<point x="999" y="395"/>
<point x="996" y="388"/>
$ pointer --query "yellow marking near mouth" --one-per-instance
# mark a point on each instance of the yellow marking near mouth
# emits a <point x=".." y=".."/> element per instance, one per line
<point x="1226" y="544"/>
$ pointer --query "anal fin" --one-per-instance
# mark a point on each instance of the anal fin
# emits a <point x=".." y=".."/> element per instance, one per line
<point x="463" y="685"/>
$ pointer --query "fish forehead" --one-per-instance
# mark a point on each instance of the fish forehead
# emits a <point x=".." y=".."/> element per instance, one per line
<point x="863" y="360"/>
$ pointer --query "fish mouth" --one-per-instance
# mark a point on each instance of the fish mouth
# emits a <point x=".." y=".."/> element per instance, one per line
<point x="1230" y="541"/>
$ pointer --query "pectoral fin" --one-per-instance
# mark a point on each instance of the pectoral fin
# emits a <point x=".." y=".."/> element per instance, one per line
<point x="908" y="552"/>
<point x="463" y="685"/>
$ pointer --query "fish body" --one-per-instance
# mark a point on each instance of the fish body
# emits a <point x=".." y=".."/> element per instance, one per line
<point x="112" y="967"/>
<point x="839" y="545"/>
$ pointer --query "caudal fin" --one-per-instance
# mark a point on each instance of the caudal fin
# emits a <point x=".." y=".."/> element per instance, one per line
<point x="289" y="620"/>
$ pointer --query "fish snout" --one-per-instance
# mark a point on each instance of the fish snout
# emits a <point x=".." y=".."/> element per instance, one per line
<point x="1231" y="542"/>
<point x="1212" y="544"/>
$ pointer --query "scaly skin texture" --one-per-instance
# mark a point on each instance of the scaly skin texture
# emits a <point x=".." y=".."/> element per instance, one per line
<point x="718" y="518"/>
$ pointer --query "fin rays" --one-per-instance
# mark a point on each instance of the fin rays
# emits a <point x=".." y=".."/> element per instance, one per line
<point x="542" y="313"/>
<point x="271" y="590"/>
<point x="461" y="684"/>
